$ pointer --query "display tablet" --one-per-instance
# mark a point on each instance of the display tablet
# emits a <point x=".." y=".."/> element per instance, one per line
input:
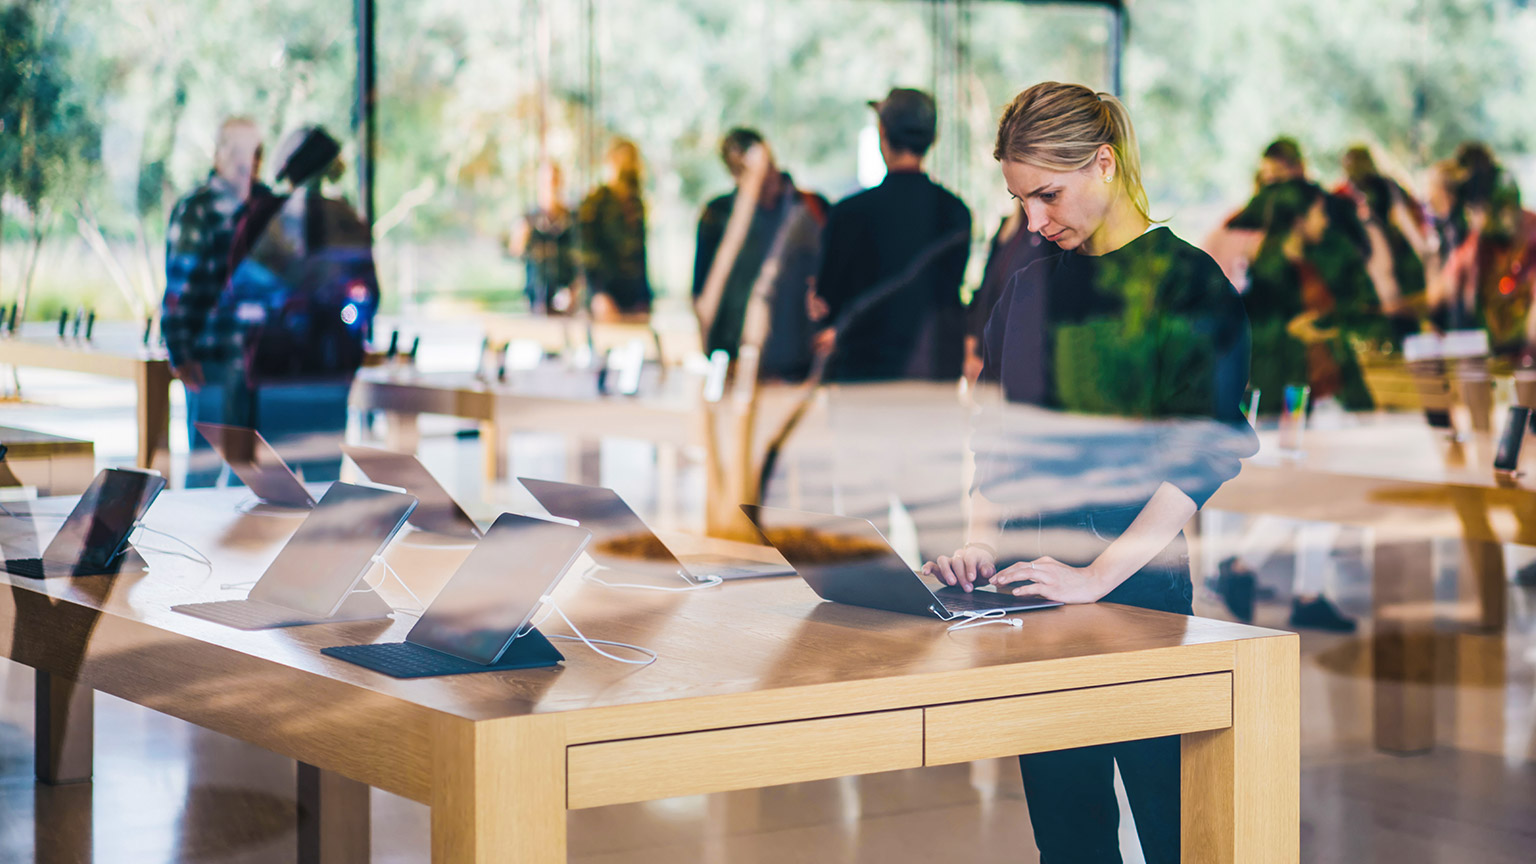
<point x="333" y="548"/>
<point x="1508" y="456"/>
<point x="495" y="592"/>
<point x="97" y="529"/>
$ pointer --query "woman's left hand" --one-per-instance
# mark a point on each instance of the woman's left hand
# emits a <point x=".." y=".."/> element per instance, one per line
<point x="1052" y="580"/>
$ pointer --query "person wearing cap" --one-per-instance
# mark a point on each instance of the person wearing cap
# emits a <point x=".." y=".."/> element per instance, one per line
<point x="300" y="303"/>
<point x="197" y="245"/>
<point x="783" y="231"/>
<point x="893" y="259"/>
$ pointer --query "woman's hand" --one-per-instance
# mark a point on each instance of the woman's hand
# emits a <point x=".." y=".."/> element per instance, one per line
<point x="968" y="566"/>
<point x="1052" y="580"/>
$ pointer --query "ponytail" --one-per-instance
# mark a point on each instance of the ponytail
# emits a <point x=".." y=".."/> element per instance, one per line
<point x="1060" y="127"/>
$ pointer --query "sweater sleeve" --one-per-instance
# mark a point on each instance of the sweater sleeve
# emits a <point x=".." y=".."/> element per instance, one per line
<point x="1203" y="372"/>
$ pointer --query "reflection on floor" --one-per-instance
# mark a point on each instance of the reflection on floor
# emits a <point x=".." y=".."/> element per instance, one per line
<point x="169" y="792"/>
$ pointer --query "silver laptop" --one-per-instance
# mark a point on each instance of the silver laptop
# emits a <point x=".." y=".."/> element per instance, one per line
<point x="257" y="465"/>
<point x="622" y="541"/>
<point x="848" y="560"/>
<point x="314" y="576"/>
<point x="438" y="512"/>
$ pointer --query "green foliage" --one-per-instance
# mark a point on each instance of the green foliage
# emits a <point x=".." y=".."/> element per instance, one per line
<point x="50" y="141"/>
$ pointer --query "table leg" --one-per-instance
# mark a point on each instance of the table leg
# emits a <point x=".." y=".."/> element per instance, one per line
<point x="402" y="432"/>
<point x="1242" y="785"/>
<point x="498" y="791"/>
<point x="65" y="714"/>
<point x="154" y="385"/>
<point x="1403" y="646"/>
<point x="333" y="818"/>
<point x="493" y="448"/>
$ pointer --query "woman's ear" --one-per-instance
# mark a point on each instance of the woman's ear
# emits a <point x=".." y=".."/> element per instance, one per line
<point x="1106" y="163"/>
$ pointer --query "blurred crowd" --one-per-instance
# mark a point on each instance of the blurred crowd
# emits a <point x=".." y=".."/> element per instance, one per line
<point x="1331" y="275"/>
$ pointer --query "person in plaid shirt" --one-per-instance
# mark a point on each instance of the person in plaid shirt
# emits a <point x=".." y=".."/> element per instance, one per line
<point x="202" y="354"/>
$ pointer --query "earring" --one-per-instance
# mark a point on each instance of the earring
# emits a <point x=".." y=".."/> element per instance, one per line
<point x="1108" y="179"/>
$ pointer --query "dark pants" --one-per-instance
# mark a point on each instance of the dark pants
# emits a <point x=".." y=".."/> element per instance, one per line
<point x="1071" y="793"/>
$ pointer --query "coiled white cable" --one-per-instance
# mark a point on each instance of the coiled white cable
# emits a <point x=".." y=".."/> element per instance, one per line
<point x="199" y="558"/>
<point x="651" y="656"/>
<point x="980" y="619"/>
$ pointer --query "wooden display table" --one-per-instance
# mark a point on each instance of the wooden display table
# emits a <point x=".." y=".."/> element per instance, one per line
<point x="668" y="338"/>
<point x="52" y="464"/>
<point x="114" y="353"/>
<point x="758" y="684"/>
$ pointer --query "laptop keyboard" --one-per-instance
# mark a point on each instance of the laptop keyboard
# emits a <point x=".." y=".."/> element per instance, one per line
<point x="405" y="660"/>
<point x="976" y="601"/>
<point x="30" y="567"/>
<point x="245" y="614"/>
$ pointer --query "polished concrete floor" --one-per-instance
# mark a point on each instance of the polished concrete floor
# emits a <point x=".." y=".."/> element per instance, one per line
<point x="169" y="792"/>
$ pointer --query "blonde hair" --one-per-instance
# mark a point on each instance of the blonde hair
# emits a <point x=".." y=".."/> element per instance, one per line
<point x="1060" y="127"/>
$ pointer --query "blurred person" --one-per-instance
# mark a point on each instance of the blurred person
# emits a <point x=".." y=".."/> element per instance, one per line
<point x="1128" y="321"/>
<point x="197" y="251"/>
<point x="1013" y="248"/>
<point x="546" y="241"/>
<point x="300" y="301"/>
<point x="893" y="259"/>
<point x="1282" y="161"/>
<point x="1491" y="275"/>
<point x="1307" y="293"/>
<point x="771" y="234"/>
<point x="611" y="239"/>
<point x="1393" y="221"/>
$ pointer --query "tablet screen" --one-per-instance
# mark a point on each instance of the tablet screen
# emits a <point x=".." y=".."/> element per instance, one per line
<point x="333" y="548"/>
<point x="97" y="528"/>
<point x="496" y="590"/>
<point x="621" y="540"/>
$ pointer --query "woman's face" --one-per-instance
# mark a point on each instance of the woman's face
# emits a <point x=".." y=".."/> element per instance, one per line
<point x="1064" y="207"/>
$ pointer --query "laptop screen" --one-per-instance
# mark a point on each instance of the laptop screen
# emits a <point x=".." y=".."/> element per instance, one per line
<point x="96" y="529"/>
<point x="257" y="465"/>
<point x="620" y="539"/>
<point x="437" y="512"/>
<point x="495" y="591"/>
<point x="333" y="548"/>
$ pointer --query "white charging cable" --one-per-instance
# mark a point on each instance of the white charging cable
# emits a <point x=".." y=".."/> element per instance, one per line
<point x="651" y="656"/>
<point x="196" y="556"/>
<point x="709" y="582"/>
<point x="390" y="571"/>
<point x="980" y="619"/>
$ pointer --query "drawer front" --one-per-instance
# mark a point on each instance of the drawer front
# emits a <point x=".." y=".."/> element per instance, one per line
<point x="695" y="763"/>
<point x="988" y="729"/>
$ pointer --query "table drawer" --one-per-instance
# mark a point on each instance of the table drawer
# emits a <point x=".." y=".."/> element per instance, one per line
<point x="664" y="766"/>
<point x="965" y="731"/>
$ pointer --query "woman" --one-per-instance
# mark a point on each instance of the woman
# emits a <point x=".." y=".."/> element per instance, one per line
<point x="545" y="240"/>
<point x="611" y="222"/>
<point x="1394" y="224"/>
<point x="1308" y="295"/>
<point x="1125" y="321"/>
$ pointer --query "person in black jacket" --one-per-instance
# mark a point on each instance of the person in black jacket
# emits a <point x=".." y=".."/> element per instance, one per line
<point x="893" y="259"/>
<point x="1137" y="346"/>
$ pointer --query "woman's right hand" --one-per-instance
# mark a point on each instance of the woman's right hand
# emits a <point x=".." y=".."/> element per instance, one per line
<point x="967" y="567"/>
